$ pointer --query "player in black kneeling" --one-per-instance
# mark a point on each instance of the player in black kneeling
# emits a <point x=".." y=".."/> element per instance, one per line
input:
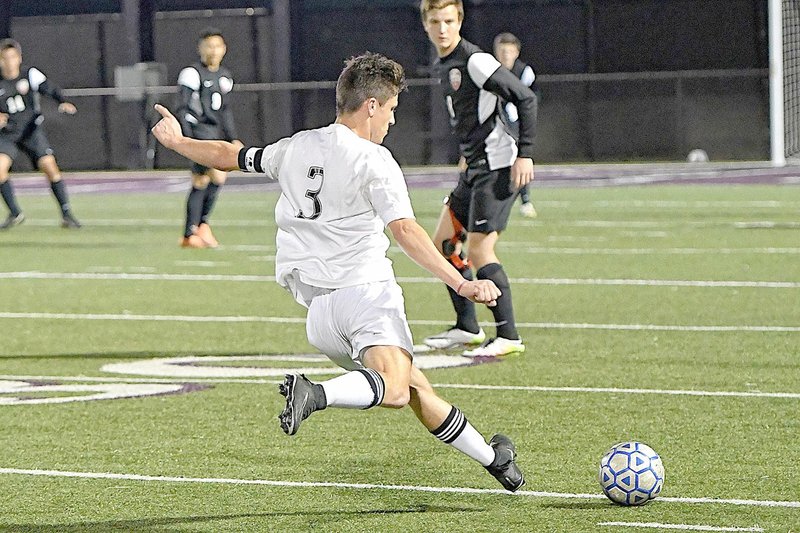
<point x="21" y="129"/>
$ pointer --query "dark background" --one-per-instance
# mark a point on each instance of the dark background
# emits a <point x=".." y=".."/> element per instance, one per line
<point x="695" y="71"/>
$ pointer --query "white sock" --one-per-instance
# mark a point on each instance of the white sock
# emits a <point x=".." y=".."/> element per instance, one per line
<point x="359" y="389"/>
<point x="461" y="435"/>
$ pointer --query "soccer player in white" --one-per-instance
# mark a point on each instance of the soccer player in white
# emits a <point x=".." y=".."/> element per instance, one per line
<point x="339" y="190"/>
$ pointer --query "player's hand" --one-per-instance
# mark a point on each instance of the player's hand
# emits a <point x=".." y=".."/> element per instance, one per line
<point x="68" y="108"/>
<point x="483" y="291"/>
<point x="168" y="129"/>
<point x="521" y="172"/>
<point x="3" y="120"/>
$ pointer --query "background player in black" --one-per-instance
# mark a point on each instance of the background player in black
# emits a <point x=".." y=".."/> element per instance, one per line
<point x="507" y="48"/>
<point x="21" y="129"/>
<point x="475" y="84"/>
<point x="203" y="112"/>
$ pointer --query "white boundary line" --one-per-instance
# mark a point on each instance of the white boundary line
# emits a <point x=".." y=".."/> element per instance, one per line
<point x="521" y="388"/>
<point x="683" y="527"/>
<point x="301" y="320"/>
<point x="143" y="276"/>
<point x="372" y="486"/>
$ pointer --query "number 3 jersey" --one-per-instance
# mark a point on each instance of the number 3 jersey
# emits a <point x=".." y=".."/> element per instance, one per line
<point x="202" y="106"/>
<point x="19" y="99"/>
<point x="338" y="192"/>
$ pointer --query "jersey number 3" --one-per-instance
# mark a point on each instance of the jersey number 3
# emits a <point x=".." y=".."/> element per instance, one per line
<point x="317" y="175"/>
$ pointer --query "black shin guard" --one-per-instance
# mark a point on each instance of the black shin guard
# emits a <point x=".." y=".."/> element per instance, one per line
<point x="60" y="192"/>
<point x="194" y="210"/>
<point x="466" y="319"/>
<point x="209" y="200"/>
<point x="504" y="311"/>
<point x="7" y="191"/>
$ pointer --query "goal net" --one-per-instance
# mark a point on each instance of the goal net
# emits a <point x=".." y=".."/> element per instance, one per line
<point x="785" y="79"/>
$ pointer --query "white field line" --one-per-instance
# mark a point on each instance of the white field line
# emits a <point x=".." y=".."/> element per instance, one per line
<point x="302" y="320"/>
<point x="143" y="276"/>
<point x="517" y="388"/>
<point x="683" y="527"/>
<point x="650" y="251"/>
<point x="376" y="486"/>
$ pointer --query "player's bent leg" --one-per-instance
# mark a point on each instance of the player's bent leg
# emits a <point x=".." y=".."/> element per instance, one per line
<point x="47" y="164"/>
<point x="217" y="179"/>
<point x="194" y="209"/>
<point x="15" y="216"/>
<point x="394" y="366"/>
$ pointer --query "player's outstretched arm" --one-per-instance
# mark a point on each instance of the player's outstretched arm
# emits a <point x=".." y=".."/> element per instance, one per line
<point x="417" y="245"/>
<point x="216" y="154"/>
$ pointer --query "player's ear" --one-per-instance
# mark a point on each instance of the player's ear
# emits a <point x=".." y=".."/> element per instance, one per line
<point x="372" y="105"/>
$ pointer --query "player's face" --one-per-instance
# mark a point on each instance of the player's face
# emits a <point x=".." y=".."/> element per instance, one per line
<point x="10" y="61"/>
<point x="382" y="118"/>
<point x="443" y="27"/>
<point x="506" y="54"/>
<point x="212" y="50"/>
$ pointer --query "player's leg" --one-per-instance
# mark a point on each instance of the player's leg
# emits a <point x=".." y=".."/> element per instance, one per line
<point x="47" y="164"/>
<point x="15" y="216"/>
<point x="526" y="209"/>
<point x="491" y="215"/>
<point x="448" y="424"/>
<point x="217" y="179"/>
<point x="448" y="238"/>
<point x="194" y="207"/>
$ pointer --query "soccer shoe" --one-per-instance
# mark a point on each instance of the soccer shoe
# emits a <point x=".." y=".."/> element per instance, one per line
<point x="302" y="399"/>
<point x="527" y="210"/>
<point x="503" y="468"/>
<point x="193" y="241"/>
<point x="497" y="347"/>
<point x="454" y="338"/>
<point x="70" y="222"/>
<point x="204" y="232"/>
<point x="12" y="220"/>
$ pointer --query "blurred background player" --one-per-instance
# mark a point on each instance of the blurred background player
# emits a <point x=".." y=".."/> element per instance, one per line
<point x="497" y="166"/>
<point x="203" y="113"/>
<point x="507" y="48"/>
<point x="21" y="129"/>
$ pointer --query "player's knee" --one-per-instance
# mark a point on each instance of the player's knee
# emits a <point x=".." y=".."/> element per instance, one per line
<point x="396" y="397"/>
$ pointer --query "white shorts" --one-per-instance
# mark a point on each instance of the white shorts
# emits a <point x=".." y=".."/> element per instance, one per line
<point x="345" y="322"/>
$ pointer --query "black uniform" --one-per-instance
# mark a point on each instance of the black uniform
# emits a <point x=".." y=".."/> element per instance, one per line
<point x="19" y="99"/>
<point x="527" y="76"/>
<point x="476" y="86"/>
<point x="202" y="108"/>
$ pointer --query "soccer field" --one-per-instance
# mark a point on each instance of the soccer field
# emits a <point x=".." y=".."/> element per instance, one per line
<point x="665" y="314"/>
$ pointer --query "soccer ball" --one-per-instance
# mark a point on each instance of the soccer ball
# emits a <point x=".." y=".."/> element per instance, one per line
<point x="631" y="473"/>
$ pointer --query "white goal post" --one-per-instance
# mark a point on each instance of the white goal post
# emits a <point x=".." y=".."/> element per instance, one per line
<point x="784" y="80"/>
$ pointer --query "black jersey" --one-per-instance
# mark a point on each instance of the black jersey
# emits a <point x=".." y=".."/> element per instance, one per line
<point x="475" y="84"/>
<point x="19" y="99"/>
<point x="202" y="102"/>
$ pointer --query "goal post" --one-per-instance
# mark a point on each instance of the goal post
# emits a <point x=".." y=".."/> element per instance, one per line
<point x="784" y="80"/>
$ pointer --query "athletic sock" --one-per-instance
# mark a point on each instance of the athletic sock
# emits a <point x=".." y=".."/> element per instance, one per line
<point x="359" y="389"/>
<point x="7" y="191"/>
<point x="194" y="209"/>
<point x="525" y="195"/>
<point x="209" y="199"/>
<point x="466" y="319"/>
<point x="504" y="311"/>
<point x="461" y="435"/>
<point x="60" y="192"/>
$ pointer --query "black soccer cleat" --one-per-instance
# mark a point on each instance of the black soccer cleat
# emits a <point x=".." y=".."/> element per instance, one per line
<point x="503" y="468"/>
<point x="12" y="220"/>
<point x="302" y="399"/>
<point x="70" y="222"/>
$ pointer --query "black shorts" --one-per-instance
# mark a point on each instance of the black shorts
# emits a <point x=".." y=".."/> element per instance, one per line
<point x="483" y="199"/>
<point x="206" y="133"/>
<point x="35" y="145"/>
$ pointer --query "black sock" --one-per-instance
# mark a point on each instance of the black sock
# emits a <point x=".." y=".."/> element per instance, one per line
<point x="7" y="191"/>
<point x="209" y="200"/>
<point x="60" y="192"/>
<point x="503" y="312"/>
<point x="525" y="195"/>
<point x="466" y="318"/>
<point x="194" y="209"/>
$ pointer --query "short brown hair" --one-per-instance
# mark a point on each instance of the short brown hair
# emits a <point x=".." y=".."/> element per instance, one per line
<point x="430" y="5"/>
<point x="5" y="44"/>
<point x="507" y="38"/>
<point x="368" y="76"/>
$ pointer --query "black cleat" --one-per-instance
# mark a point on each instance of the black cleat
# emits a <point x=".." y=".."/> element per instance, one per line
<point x="12" y="220"/>
<point x="302" y="399"/>
<point x="503" y="468"/>
<point x="70" y="222"/>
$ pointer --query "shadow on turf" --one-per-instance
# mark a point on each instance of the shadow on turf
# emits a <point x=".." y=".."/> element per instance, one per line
<point x="158" y="524"/>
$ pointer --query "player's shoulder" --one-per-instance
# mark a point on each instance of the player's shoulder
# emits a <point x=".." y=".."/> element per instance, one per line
<point x="481" y="65"/>
<point x="190" y="77"/>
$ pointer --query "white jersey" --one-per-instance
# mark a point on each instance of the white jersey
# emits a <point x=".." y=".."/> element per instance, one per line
<point x="338" y="192"/>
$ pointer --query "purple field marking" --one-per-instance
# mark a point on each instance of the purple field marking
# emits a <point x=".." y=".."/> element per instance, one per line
<point x="550" y="176"/>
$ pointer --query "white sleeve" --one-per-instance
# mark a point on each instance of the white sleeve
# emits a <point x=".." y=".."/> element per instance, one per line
<point x="481" y="66"/>
<point x="387" y="190"/>
<point x="528" y="76"/>
<point x="265" y="160"/>
<point x="35" y="78"/>
<point x="189" y="77"/>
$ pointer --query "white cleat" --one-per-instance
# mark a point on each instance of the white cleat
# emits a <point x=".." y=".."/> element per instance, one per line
<point x="454" y="338"/>
<point x="527" y="210"/>
<point x="497" y="347"/>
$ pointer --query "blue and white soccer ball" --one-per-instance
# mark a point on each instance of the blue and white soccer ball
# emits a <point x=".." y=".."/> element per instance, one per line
<point x="631" y="473"/>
